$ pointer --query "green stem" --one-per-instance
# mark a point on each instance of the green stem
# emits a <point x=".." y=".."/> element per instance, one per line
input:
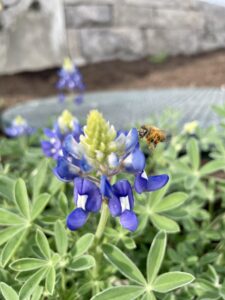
<point x="102" y="221"/>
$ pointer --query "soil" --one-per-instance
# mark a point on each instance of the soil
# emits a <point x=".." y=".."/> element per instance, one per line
<point x="193" y="71"/>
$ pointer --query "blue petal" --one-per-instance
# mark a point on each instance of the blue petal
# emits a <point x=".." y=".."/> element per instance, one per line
<point x="115" y="206"/>
<point x="76" y="219"/>
<point x="77" y="131"/>
<point x="84" y="186"/>
<point x="122" y="188"/>
<point x="65" y="171"/>
<point x="129" y="220"/>
<point x="105" y="187"/>
<point x="135" y="161"/>
<point x="72" y="147"/>
<point x="157" y="182"/>
<point x="141" y="182"/>
<point x="131" y="140"/>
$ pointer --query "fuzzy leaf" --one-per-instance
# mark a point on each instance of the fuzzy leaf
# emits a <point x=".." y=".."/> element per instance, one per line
<point x="27" y="264"/>
<point x="149" y="296"/>
<point x="8" y="292"/>
<point x="171" y="281"/>
<point x="129" y="292"/>
<point x="21" y="198"/>
<point x="193" y="153"/>
<point x="82" y="245"/>
<point x="212" y="166"/>
<point x="156" y="255"/>
<point x="171" y="201"/>
<point x="40" y="202"/>
<point x="7" y="187"/>
<point x="82" y="263"/>
<point x="9" y="218"/>
<point x="38" y="292"/>
<point x="123" y="263"/>
<point x="50" y="280"/>
<point x="164" y="223"/>
<point x="11" y="247"/>
<point x="61" y="238"/>
<point x="39" y="178"/>
<point x="31" y="284"/>
<point x="43" y="244"/>
<point x="7" y="233"/>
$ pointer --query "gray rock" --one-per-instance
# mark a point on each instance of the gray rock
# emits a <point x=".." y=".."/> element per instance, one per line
<point x="172" y="41"/>
<point x="116" y="43"/>
<point x="133" y="15"/>
<point x="164" y="3"/>
<point x="88" y="15"/>
<point x="74" y="47"/>
<point x="177" y="19"/>
<point x="34" y="36"/>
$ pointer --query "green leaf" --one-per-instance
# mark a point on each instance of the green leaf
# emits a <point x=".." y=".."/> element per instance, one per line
<point x="82" y="263"/>
<point x="7" y="233"/>
<point x="171" y="281"/>
<point x="43" y="244"/>
<point x="164" y="223"/>
<point x="212" y="166"/>
<point x="129" y="292"/>
<point x="149" y="296"/>
<point x="171" y="201"/>
<point x="31" y="284"/>
<point x="7" y="187"/>
<point x="82" y="245"/>
<point x="8" y="292"/>
<point x="9" y="218"/>
<point x="40" y="177"/>
<point x="27" y="264"/>
<point x="21" y="198"/>
<point x="157" y="196"/>
<point x="156" y="255"/>
<point x="50" y="280"/>
<point x="40" y="202"/>
<point x="123" y="263"/>
<point x="129" y="243"/>
<point x="193" y="153"/>
<point x="38" y="292"/>
<point x="11" y="247"/>
<point x="61" y="238"/>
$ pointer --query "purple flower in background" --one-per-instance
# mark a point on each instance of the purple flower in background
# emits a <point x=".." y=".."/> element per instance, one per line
<point x="70" y="80"/>
<point x="19" y="127"/>
<point x="66" y="124"/>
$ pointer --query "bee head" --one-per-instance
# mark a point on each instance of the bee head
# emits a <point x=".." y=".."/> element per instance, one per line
<point x="143" y="131"/>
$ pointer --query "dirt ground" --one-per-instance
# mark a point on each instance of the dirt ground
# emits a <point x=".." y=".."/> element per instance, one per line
<point x="195" y="71"/>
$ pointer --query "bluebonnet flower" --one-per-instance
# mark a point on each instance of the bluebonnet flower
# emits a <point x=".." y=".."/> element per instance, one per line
<point x="65" y="125"/>
<point x="104" y="152"/>
<point x="70" y="80"/>
<point x="18" y="128"/>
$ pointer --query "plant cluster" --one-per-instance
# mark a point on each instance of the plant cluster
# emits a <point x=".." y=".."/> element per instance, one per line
<point x="81" y="219"/>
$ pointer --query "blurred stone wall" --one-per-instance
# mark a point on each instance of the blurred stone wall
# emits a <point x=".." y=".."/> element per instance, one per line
<point x="101" y="30"/>
<point x="32" y="35"/>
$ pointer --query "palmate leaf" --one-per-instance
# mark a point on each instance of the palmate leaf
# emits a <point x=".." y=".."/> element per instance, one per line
<point x="8" y="218"/>
<point x="50" y="280"/>
<point x="120" y="293"/>
<point x="31" y="284"/>
<point x="82" y="245"/>
<point x="8" y="233"/>
<point x="171" y="281"/>
<point x="7" y="187"/>
<point x="82" y="263"/>
<point x="11" y="246"/>
<point x="149" y="296"/>
<point x="8" y="292"/>
<point x="38" y="292"/>
<point x="193" y="153"/>
<point x="123" y="263"/>
<point x="212" y="166"/>
<point x="28" y="264"/>
<point x="164" y="223"/>
<point x="60" y="237"/>
<point x="39" y="204"/>
<point x="170" y="202"/>
<point x="43" y="244"/>
<point x="39" y="178"/>
<point x="156" y="256"/>
<point x="21" y="198"/>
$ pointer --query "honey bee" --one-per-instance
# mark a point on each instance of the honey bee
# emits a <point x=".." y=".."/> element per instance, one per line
<point x="152" y="135"/>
